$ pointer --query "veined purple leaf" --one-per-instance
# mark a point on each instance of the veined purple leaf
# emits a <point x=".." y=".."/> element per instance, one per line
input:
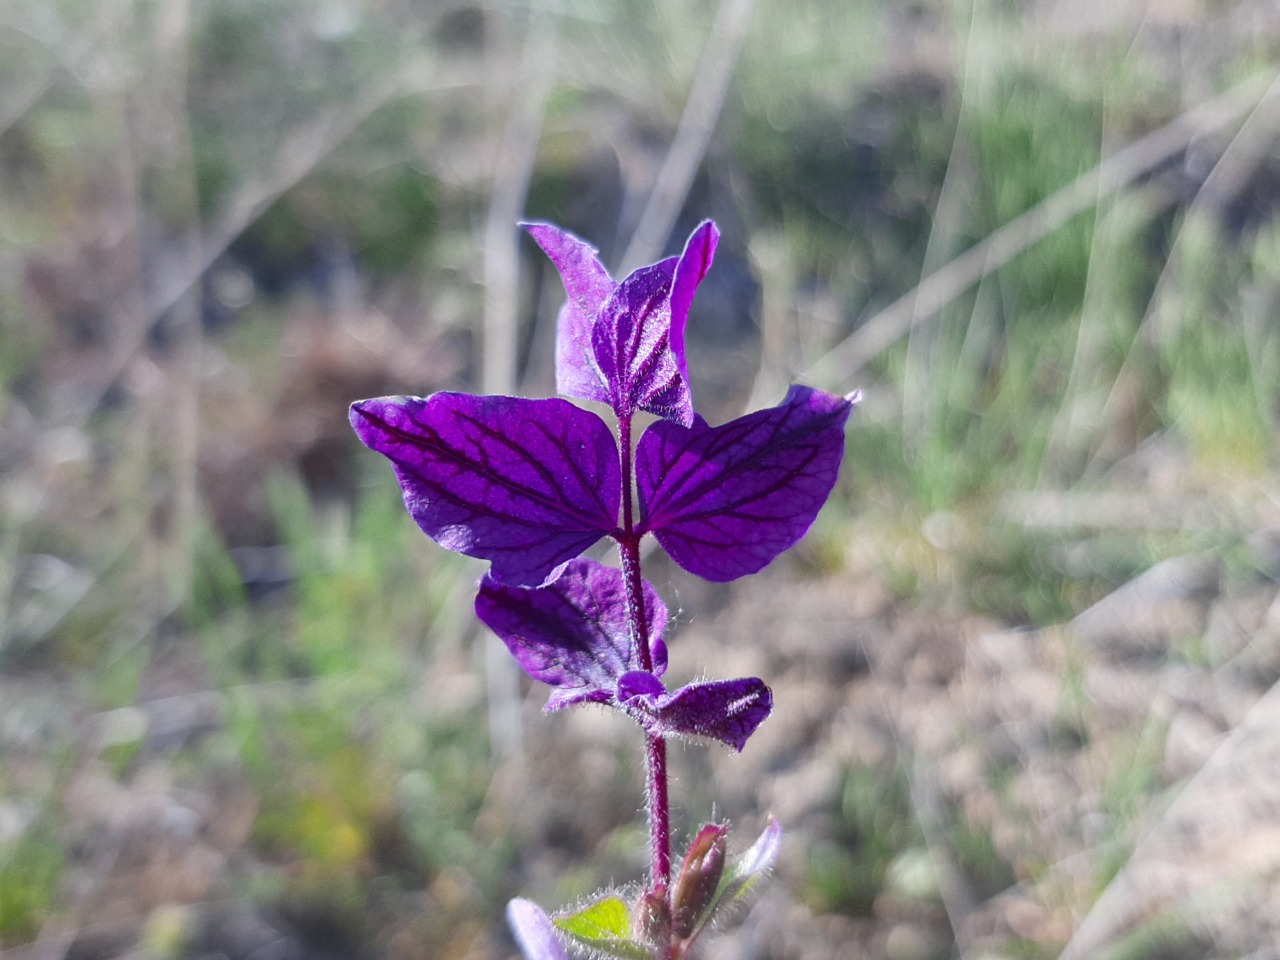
<point x="534" y="932"/>
<point x="632" y="344"/>
<point x="724" y="710"/>
<point x="724" y="501"/>
<point x="526" y="484"/>
<point x="639" y="337"/>
<point x="573" y="634"/>
<point x="587" y="285"/>
<point x="623" y="344"/>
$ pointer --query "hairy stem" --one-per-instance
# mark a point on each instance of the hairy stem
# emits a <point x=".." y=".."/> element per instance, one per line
<point x="655" y="746"/>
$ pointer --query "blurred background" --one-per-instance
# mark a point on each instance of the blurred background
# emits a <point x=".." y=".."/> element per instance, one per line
<point x="1024" y="664"/>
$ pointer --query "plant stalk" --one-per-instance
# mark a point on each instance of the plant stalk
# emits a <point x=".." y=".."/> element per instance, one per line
<point x="656" y="794"/>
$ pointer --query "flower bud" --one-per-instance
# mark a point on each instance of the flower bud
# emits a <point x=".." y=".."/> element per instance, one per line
<point x="652" y="917"/>
<point x="698" y="879"/>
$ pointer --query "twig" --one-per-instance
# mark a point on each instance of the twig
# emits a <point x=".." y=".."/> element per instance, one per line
<point x="72" y="58"/>
<point x="958" y="898"/>
<point x="919" y="403"/>
<point x="299" y="154"/>
<point x="511" y="185"/>
<point x="176" y="151"/>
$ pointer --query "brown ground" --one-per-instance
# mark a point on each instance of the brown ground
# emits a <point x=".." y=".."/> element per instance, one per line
<point x="1122" y="768"/>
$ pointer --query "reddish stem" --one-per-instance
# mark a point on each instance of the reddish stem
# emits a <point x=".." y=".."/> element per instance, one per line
<point x="655" y="745"/>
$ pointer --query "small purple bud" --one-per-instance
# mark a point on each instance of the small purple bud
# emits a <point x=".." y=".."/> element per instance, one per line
<point x="698" y="879"/>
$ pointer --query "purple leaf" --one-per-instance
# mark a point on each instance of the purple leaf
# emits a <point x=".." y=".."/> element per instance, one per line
<point x="573" y="633"/>
<point x="694" y="263"/>
<point x="527" y="484"/>
<point x="632" y="343"/>
<point x="724" y="501"/>
<point x="587" y="285"/>
<point x="534" y="932"/>
<point x="724" y="710"/>
<point x="623" y="344"/>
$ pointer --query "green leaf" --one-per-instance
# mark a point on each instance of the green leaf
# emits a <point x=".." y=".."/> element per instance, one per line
<point x="605" y="927"/>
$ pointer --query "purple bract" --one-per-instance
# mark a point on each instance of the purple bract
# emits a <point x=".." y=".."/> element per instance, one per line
<point x="623" y="343"/>
<point x="527" y="484"/>
<point x="574" y="635"/>
<point x="724" y="501"/>
<point x="530" y="484"/>
<point x="724" y="710"/>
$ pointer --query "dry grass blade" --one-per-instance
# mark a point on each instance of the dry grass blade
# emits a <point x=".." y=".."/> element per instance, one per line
<point x="693" y="134"/>
<point x="298" y="155"/>
<point x="500" y="334"/>
<point x="1237" y="163"/>
<point x="1117" y="171"/>
<point x="511" y="185"/>
<point x="1200" y="857"/>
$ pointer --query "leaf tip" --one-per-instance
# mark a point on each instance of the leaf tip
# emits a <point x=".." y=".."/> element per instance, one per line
<point x="358" y="411"/>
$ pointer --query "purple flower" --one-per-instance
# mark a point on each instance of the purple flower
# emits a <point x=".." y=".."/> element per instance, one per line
<point x="531" y="484"/>
<point x="574" y="635"/>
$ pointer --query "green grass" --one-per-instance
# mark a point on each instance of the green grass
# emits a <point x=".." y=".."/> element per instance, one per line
<point x="873" y="826"/>
<point x="31" y="872"/>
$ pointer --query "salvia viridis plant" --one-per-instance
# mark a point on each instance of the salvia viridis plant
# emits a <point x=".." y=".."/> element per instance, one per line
<point x="529" y="485"/>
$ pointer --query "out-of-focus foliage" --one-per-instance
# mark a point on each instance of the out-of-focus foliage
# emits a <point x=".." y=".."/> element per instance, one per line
<point x="243" y="703"/>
